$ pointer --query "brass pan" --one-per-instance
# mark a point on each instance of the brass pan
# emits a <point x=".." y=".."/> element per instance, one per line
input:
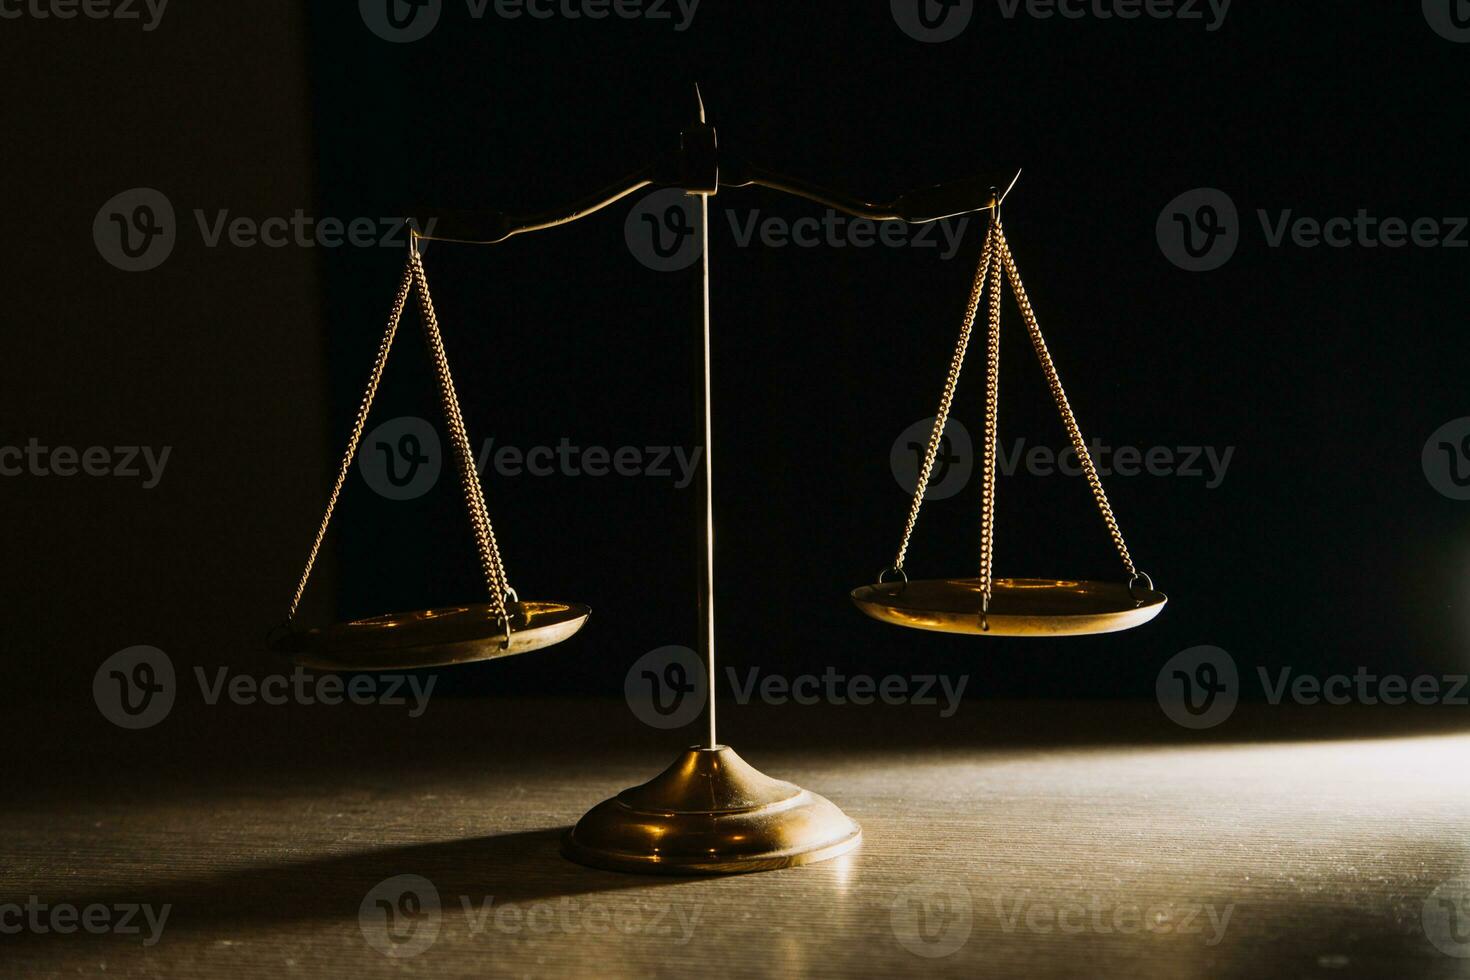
<point x="433" y="637"/>
<point x="1018" y="606"/>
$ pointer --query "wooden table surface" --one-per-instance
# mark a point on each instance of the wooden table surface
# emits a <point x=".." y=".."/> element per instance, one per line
<point x="1037" y="840"/>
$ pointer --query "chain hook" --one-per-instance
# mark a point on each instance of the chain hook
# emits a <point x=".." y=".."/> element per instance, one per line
<point x="893" y="569"/>
<point x="1149" y="582"/>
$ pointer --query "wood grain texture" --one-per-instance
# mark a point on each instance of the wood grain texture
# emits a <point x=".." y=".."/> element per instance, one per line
<point x="1052" y="832"/>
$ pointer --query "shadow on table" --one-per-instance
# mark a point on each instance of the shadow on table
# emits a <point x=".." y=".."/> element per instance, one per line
<point x="512" y="869"/>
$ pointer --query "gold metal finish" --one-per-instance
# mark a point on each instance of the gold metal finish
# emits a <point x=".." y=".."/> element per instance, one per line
<point x="429" y="637"/>
<point x="496" y="580"/>
<point x="702" y="167"/>
<point x="363" y="407"/>
<point x="711" y="812"/>
<point x="705" y="474"/>
<point x="1059" y="395"/>
<point x="434" y="637"/>
<point x="1018" y="606"/>
<point x="992" y="416"/>
<point x="491" y="565"/>
<point x="946" y="398"/>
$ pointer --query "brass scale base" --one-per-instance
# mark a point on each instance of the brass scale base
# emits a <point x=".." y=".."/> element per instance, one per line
<point x="711" y="812"/>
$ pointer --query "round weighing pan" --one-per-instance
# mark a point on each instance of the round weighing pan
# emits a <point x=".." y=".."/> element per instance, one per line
<point x="1018" y="606"/>
<point x="433" y="637"/>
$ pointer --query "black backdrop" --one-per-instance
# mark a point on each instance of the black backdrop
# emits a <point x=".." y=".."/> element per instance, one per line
<point x="1325" y="368"/>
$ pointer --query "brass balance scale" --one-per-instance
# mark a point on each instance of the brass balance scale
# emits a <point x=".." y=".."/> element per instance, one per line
<point x="710" y="811"/>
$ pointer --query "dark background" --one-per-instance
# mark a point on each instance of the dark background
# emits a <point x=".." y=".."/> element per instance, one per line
<point x="1325" y="548"/>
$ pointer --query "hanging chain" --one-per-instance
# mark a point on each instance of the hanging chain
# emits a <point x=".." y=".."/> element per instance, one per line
<point x="362" y="413"/>
<point x="1060" y="397"/>
<point x="946" y="399"/>
<point x="996" y="256"/>
<point x="490" y="562"/>
<point x="992" y="415"/>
